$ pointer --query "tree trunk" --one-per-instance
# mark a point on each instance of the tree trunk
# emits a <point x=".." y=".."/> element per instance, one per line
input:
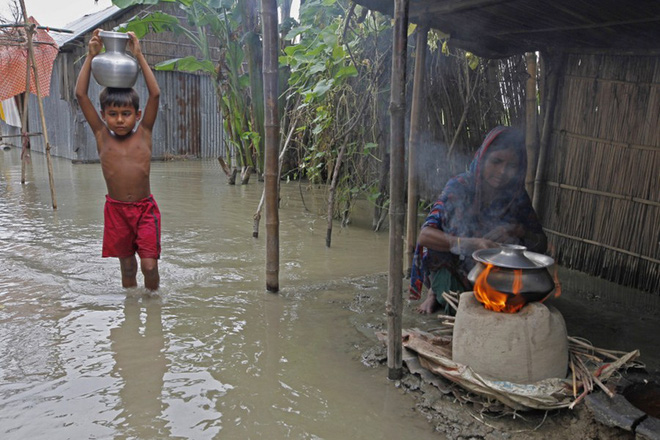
<point x="246" y="172"/>
<point x="229" y="172"/>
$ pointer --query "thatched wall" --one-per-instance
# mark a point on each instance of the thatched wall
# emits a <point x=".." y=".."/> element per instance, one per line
<point x="601" y="194"/>
<point x="462" y="105"/>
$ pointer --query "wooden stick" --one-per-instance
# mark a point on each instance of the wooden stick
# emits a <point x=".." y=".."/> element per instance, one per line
<point x="578" y="400"/>
<point x="531" y="122"/>
<point x="447" y="317"/>
<point x="19" y="135"/>
<point x="551" y="99"/>
<point x="607" y="353"/>
<point x="572" y="365"/>
<point x="32" y="62"/>
<point x="450" y="300"/>
<point x="602" y="386"/>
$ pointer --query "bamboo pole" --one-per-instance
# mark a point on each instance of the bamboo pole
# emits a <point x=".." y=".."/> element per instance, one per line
<point x="272" y="134"/>
<point x="31" y="61"/>
<point x="531" y="123"/>
<point x="25" y="141"/>
<point x="414" y="142"/>
<point x="394" y="306"/>
<point x="551" y="100"/>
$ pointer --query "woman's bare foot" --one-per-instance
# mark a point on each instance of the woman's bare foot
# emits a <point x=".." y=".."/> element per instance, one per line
<point x="430" y="304"/>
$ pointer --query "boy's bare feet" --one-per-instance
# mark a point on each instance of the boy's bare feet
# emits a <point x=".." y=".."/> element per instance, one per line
<point x="430" y="304"/>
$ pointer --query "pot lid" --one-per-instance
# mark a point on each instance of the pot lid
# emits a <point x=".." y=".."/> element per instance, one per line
<point x="513" y="257"/>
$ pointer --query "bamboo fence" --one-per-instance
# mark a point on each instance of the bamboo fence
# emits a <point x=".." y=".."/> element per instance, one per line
<point x="462" y="105"/>
<point x="601" y="193"/>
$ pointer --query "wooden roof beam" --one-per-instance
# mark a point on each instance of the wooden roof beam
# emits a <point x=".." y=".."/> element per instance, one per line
<point x="580" y="27"/>
<point x="452" y="7"/>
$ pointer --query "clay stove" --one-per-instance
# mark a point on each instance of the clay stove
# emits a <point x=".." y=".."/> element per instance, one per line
<point x="510" y="335"/>
<point x="523" y="347"/>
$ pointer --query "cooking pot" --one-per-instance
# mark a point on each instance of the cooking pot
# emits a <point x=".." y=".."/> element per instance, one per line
<point x="506" y="260"/>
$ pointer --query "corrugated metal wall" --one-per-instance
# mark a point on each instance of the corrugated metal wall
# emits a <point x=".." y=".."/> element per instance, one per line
<point x="188" y="123"/>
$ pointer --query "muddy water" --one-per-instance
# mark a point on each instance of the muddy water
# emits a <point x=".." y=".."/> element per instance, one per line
<point x="215" y="356"/>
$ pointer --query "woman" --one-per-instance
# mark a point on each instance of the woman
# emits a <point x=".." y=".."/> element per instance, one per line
<point x="481" y="208"/>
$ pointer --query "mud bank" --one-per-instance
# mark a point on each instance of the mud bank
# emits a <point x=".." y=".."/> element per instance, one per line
<point x="446" y="408"/>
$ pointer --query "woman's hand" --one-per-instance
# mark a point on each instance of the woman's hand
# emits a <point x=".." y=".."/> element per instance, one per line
<point x="506" y="234"/>
<point x="468" y="245"/>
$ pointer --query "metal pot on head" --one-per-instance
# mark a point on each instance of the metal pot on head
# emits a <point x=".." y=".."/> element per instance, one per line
<point x="515" y="269"/>
<point x="114" y="67"/>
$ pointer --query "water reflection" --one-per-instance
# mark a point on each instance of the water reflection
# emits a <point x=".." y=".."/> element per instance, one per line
<point x="138" y="347"/>
<point x="217" y="357"/>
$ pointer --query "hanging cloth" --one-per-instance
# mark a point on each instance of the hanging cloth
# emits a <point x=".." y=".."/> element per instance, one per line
<point x="13" y="67"/>
<point x="9" y="113"/>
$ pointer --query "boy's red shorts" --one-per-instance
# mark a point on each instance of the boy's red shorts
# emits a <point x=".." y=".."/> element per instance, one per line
<point x="131" y="227"/>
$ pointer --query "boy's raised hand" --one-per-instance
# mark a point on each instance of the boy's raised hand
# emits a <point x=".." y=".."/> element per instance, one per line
<point x="134" y="43"/>
<point x="95" y="44"/>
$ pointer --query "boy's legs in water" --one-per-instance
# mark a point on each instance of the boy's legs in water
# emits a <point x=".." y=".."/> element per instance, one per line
<point x="128" y="267"/>
<point x="149" y="267"/>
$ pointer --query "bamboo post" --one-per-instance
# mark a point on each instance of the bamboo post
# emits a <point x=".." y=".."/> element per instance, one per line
<point x="531" y="122"/>
<point x="272" y="134"/>
<point x="394" y="306"/>
<point x="25" y="152"/>
<point x="29" y="29"/>
<point x="414" y="141"/>
<point x="551" y="99"/>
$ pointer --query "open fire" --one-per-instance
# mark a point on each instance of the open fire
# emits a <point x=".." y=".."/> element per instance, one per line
<point x="498" y="301"/>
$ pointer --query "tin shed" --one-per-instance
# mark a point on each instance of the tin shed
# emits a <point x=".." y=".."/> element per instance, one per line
<point x="188" y="124"/>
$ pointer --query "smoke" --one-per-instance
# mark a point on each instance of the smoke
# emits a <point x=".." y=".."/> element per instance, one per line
<point x="436" y="167"/>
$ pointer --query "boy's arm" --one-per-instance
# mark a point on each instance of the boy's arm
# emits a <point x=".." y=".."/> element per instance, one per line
<point x="82" y="85"/>
<point x="151" y="107"/>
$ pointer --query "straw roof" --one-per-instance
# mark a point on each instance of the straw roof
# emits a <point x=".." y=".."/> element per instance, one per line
<point x="498" y="28"/>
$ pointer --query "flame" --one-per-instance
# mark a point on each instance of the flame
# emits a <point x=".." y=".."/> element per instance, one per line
<point x="497" y="301"/>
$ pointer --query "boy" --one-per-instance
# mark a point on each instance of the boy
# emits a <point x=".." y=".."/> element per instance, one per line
<point x="131" y="216"/>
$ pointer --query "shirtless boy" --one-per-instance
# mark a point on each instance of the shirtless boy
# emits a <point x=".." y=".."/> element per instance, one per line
<point x="131" y="216"/>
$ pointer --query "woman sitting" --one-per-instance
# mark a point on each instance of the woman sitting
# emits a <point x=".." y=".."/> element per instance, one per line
<point x="481" y="208"/>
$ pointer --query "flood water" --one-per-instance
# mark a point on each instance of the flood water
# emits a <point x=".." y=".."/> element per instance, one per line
<point x="215" y="356"/>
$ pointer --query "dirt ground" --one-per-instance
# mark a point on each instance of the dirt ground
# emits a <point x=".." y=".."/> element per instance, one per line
<point x="587" y="315"/>
<point x="459" y="420"/>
